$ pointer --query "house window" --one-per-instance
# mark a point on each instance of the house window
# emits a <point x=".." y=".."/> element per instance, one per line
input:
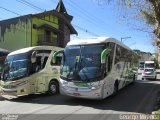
<point x="48" y="35"/>
<point x="34" y="26"/>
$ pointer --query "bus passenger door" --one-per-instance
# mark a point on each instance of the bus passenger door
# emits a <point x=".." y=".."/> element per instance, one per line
<point x="43" y="75"/>
<point x="36" y="82"/>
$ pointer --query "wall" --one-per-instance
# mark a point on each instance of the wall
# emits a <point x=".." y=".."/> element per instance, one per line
<point x="15" y="33"/>
<point x="37" y="21"/>
<point x="66" y="36"/>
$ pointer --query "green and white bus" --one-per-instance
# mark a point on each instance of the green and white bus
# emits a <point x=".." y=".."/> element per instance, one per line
<point x="30" y="71"/>
<point x="96" y="68"/>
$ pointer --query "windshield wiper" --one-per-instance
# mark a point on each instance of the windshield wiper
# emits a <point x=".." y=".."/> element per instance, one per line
<point x="85" y="76"/>
<point x="74" y="70"/>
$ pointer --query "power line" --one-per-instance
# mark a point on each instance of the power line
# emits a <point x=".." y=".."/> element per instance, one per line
<point x="93" y="17"/>
<point x="10" y="11"/>
<point x="85" y="30"/>
<point x="76" y="37"/>
<point x="40" y="9"/>
<point x="89" y="17"/>
<point x="35" y="7"/>
<point x="80" y="28"/>
<point x="30" y="5"/>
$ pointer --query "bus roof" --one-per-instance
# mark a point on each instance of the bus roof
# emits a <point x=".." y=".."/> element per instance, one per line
<point x="149" y="61"/>
<point x="24" y="50"/>
<point x="141" y="61"/>
<point x="96" y="40"/>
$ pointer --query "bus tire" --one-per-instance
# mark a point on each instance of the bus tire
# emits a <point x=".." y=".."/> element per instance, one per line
<point x="53" y="88"/>
<point x="115" y="88"/>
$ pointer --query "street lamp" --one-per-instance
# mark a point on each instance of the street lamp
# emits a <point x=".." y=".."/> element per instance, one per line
<point x="124" y="38"/>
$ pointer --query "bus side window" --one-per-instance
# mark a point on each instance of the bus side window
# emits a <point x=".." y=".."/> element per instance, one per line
<point x="44" y="62"/>
<point x="43" y="57"/>
<point x="109" y="60"/>
<point x="58" y="60"/>
<point x="109" y="64"/>
<point x="40" y="61"/>
<point x="118" y="54"/>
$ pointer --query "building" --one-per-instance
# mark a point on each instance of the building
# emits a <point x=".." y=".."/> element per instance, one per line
<point x="47" y="28"/>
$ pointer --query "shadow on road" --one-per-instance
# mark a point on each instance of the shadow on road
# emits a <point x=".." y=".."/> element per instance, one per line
<point x="138" y="97"/>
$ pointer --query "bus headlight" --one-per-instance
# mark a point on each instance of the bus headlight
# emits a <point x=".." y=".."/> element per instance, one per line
<point x="95" y="87"/>
<point x="64" y="83"/>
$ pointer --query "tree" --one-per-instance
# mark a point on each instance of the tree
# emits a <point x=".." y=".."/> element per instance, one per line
<point x="148" y="9"/>
<point x="155" y="16"/>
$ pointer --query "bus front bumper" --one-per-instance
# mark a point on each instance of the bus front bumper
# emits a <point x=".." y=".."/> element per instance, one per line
<point x="83" y="93"/>
<point x="13" y="93"/>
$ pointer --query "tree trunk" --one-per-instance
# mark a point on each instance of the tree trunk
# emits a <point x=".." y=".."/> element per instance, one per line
<point x="156" y="8"/>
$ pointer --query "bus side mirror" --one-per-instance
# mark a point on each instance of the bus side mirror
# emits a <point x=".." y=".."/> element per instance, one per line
<point x="33" y="57"/>
<point x="104" y="54"/>
<point x="56" y="58"/>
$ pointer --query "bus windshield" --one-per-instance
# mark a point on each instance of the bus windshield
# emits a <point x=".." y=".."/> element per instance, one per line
<point x="15" y="67"/>
<point x="2" y="59"/>
<point x="82" y="63"/>
<point x="149" y="65"/>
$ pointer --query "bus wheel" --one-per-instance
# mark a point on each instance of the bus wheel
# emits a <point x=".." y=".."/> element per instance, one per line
<point x="53" y="88"/>
<point x="115" y="88"/>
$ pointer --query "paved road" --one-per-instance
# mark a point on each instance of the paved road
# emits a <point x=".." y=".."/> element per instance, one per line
<point x="135" y="98"/>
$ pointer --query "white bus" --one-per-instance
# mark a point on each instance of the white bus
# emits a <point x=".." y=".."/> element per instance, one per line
<point x="96" y="68"/>
<point x="30" y="71"/>
<point x="149" y="71"/>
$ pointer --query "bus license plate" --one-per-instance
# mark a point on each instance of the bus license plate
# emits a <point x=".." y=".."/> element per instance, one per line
<point x="76" y="94"/>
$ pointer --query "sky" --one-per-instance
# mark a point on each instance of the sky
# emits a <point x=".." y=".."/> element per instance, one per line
<point x="90" y="19"/>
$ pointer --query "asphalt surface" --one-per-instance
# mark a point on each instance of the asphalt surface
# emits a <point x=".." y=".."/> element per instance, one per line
<point x="133" y="99"/>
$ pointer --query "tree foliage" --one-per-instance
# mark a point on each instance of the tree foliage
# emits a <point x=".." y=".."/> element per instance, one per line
<point x="148" y="9"/>
<point x="156" y="14"/>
